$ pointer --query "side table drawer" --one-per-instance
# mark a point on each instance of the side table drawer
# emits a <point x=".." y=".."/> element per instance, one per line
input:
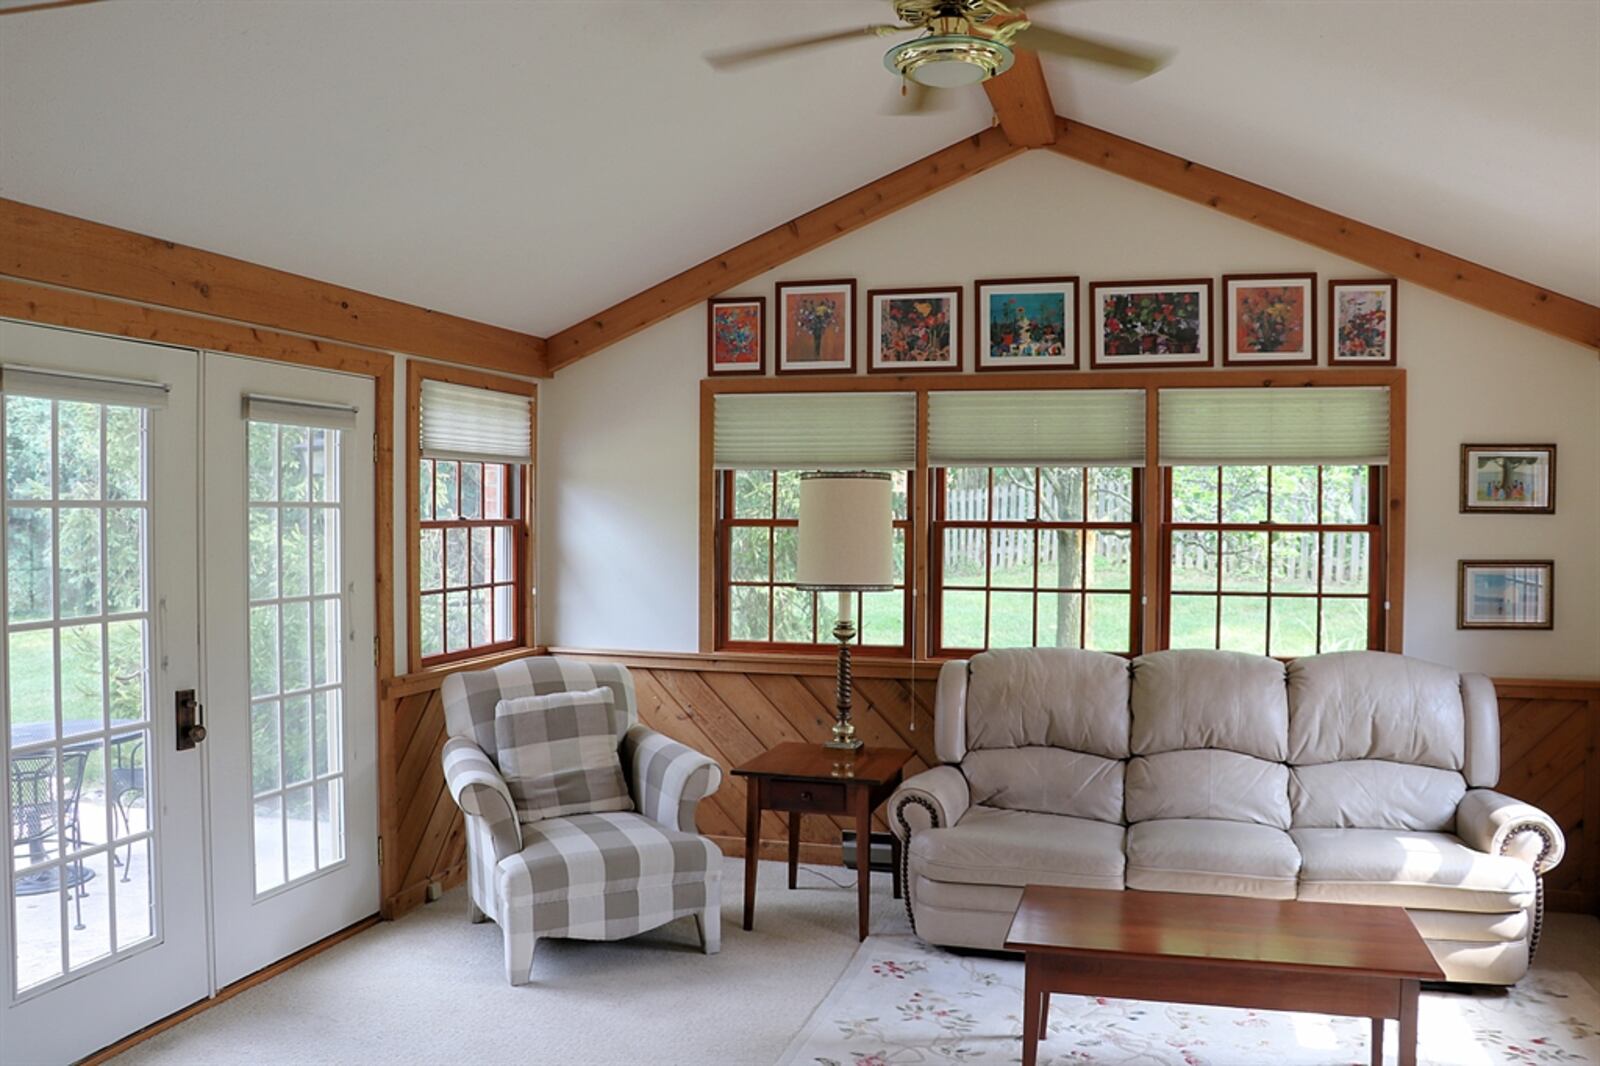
<point x="818" y="797"/>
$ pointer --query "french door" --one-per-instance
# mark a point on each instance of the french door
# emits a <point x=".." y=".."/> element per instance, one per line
<point x="105" y="884"/>
<point x="186" y="537"/>
<point x="288" y="650"/>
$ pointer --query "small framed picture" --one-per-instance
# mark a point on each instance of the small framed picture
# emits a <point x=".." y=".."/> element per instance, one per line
<point x="914" y="329"/>
<point x="1361" y="322"/>
<point x="816" y="327"/>
<point x="1150" y="323"/>
<point x="736" y="329"/>
<point x="1508" y="479"/>
<point x="1505" y="594"/>
<point x="1027" y="323"/>
<point x="1271" y="319"/>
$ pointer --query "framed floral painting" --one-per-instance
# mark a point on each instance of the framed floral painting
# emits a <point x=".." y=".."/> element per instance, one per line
<point x="816" y="327"/>
<point x="1508" y="479"/>
<point x="1151" y="323"/>
<point x="1271" y="319"/>
<point x="1361" y="322"/>
<point x="736" y="329"/>
<point x="1505" y="594"/>
<point x="914" y="329"/>
<point x="1027" y="323"/>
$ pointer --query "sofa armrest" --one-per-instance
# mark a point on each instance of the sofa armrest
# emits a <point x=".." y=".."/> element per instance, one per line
<point x="479" y="790"/>
<point x="1500" y="825"/>
<point x="668" y="779"/>
<point x="933" y="799"/>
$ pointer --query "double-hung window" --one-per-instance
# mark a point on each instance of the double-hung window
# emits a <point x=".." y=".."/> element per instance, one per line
<point x="471" y="522"/>
<point x="1272" y="531"/>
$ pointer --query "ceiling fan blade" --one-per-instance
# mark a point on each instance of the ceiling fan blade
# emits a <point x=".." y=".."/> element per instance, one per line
<point x="727" y="58"/>
<point x="914" y="99"/>
<point x="1054" y="42"/>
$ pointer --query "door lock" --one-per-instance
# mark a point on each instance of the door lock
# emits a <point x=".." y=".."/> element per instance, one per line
<point x="191" y="720"/>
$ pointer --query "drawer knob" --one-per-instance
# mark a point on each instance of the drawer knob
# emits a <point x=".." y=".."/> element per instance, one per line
<point x="805" y="794"/>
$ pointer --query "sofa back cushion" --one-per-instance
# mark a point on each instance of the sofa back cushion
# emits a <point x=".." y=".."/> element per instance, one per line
<point x="1048" y="697"/>
<point x="1047" y="781"/>
<point x="1376" y="741"/>
<point x="1222" y="785"/>
<point x="1210" y="732"/>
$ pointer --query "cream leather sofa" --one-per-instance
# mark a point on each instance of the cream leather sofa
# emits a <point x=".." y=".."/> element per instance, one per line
<point x="1356" y="777"/>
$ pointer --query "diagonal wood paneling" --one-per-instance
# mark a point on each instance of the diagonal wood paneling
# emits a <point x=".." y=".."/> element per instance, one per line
<point x="733" y="711"/>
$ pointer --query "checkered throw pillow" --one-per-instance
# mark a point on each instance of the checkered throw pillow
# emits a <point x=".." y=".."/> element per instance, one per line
<point x="558" y="754"/>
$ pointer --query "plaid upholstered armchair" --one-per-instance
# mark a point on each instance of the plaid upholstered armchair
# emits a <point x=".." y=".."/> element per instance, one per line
<point x="591" y="876"/>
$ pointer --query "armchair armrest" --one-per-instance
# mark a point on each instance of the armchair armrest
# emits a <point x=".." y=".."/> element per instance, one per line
<point x="668" y="779"/>
<point x="933" y="799"/>
<point x="481" y="792"/>
<point x="1500" y="825"/>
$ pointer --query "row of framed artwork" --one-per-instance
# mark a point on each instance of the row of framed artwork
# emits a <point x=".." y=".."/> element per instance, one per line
<point x="1032" y="324"/>
<point x="1507" y="593"/>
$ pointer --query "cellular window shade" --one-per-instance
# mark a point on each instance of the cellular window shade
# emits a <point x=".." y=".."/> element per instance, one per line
<point x="299" y="412"/>
<point x="82" y="388"/>
<point x="815" y="431"/>
<point x="1260" y="426"/>
<point x="475" y="425"/>
<point x="1042" y="427"/>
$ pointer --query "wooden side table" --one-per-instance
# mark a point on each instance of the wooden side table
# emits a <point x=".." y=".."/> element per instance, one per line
<point x="811" y="779"/>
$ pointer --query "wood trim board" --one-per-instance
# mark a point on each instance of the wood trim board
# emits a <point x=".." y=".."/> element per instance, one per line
<point x="46" y="246"/>
<point x="1021" y="101"/>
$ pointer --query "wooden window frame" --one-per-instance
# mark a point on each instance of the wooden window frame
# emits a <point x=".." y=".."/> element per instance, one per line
<point x="1086" y="525"/>
<point x="1152" y="620"/>
<point x="726" y="522"/>
<point x="1373" y="527"/>
<point x="524" y="541"/>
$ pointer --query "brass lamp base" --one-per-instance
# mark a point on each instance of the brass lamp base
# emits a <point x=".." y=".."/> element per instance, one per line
<point x="844" y="730"/>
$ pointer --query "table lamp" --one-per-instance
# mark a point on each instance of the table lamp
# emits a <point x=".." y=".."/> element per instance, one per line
<point x="846" y="546"/>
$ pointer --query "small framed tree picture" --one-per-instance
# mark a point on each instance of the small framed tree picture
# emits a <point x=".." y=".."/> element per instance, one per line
<point x="1361" y="322"/>
<point x="736" y="330"/>
<point x="914" y="329"/>
<point x="1150" y="323"/>
<point x="1508" y="479"/>
<point x="1027" y="324"/>
<point x="1505" y="594"/>
<point x="816" y="327"/>
<point x="1271" y="319"/>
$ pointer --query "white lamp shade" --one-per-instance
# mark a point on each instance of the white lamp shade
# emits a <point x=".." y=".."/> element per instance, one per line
<point x="846" y="532"/>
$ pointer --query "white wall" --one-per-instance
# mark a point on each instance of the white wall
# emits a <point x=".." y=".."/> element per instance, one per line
<point x="619" y="431"/>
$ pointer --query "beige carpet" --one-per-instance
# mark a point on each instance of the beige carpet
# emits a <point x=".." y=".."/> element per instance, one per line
<point x="429" y="989"/>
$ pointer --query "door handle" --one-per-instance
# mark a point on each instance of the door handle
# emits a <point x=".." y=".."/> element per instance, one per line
<point x="190" y="719"/>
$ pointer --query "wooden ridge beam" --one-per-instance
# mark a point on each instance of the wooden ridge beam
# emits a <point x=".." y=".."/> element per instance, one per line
<point x="1469" y="282"/>
<point x="778" y="245"/>
<point x="1021" y="101"/>
<point x="46" y="246"/>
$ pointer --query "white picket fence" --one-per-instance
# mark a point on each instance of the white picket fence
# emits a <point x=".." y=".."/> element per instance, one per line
<point x="1012" y="548"/>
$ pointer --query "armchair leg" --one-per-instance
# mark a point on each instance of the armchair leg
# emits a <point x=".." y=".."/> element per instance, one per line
<point x="519" y="957"/>
<point x="475" y="913"/>
<point x="709" y="924"/>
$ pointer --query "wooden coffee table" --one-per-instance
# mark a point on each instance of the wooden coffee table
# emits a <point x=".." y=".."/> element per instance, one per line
<point x="1331" y="958"/>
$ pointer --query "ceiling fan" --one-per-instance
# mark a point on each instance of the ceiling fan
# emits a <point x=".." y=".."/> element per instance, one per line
<point x="960" y="42"/>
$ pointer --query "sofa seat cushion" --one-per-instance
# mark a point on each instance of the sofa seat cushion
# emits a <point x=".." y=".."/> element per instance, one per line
<point x="1212" y="857"/>
<point x="990" y="846"/>
<point x="1427" y="871"/>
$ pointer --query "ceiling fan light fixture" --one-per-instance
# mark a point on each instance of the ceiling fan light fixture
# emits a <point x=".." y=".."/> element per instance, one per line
<point x="948" y="61"/>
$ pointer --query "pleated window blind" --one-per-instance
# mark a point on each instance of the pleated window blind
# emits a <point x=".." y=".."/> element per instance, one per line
<point x="299" y="412"/>
<point x="815" y="431"/>
<point x="82" y="388"/>
<point x="475" y="425"/>
<point x="1326" y="425"/>
<point x="1043" y="427"/>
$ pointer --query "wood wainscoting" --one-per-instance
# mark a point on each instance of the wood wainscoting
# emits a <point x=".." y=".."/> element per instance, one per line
<point x="733" y="707"/>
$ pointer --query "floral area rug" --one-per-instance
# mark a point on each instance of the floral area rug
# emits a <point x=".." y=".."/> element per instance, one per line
<point x="903" y="1003"/>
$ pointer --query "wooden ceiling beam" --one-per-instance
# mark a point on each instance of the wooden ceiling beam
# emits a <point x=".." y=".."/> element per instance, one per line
<point x="1021" y="101"/>
<point x="1518" y="300"/>
<point x="55" y="249"/>
<point x="778" y="245"/>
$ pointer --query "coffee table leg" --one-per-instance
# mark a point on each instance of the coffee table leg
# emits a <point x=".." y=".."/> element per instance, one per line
<point x="752" y="847"/>
<point x="1408" y="1022"/>
<point x="1044" y="1016"/>
<point x="794" y="845"/>
<point x="863" y="806"/>
<point x="1377" y="1042"/>
<point x="1032" y="1022"/>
